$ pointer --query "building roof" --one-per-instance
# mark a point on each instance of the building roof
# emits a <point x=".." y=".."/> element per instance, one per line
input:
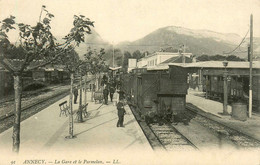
<point x="168" y="54"/>
<point x="217" y="64"/>
<point x="49" y="67"/>
<point x="165" y="65"/>
<point x="159" y="67"/>
<point x="177" y="59"/>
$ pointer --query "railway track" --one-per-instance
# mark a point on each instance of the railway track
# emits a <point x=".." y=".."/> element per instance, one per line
<point x="171" y="139"/>
<point x="28" y="94"/>
<point x="207" y="133"/>
<point x="6" y="121"/>
<point x="240" y="139"/>
<point x="164" y="137"/>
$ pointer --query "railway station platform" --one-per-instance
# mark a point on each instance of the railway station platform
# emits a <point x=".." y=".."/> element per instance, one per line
<point x="44" y="133"/>
<point x="250" y="127"/>
<point x="97" y="141"/>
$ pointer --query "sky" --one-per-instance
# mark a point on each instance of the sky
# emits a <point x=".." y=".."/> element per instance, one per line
<point x="129" y="20"/>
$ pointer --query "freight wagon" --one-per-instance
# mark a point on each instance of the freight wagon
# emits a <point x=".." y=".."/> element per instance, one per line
<point x="158" y="94"/>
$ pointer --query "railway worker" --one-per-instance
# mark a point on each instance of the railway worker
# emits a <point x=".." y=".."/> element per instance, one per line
<point x="168" y="114"/>
<point x="112" y="82"/>
<point x="105" y="94"/>
<point x="111" y="92"/>
<point x="121" y="94"/>
<point x="119" y="84"/>
<point x="120" y="112"/>
<point x="75" y="92"/>
<point x="104" y="80"/>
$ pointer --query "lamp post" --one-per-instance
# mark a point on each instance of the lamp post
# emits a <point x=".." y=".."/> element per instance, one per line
<point x="225" y="73"/>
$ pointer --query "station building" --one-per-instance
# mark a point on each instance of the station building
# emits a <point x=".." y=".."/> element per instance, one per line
<point x="158" y="58"/>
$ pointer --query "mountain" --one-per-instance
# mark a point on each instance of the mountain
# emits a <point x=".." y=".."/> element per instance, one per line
<point x="197" y="42"/>
<point x="94" y="41"/>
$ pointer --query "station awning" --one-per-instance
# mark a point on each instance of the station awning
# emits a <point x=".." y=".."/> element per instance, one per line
<point x="115" y="68"/>
<point x="218" y="64"/>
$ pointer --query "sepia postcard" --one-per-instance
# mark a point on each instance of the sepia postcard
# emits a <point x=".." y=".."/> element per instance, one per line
<point x="129" y="82"/>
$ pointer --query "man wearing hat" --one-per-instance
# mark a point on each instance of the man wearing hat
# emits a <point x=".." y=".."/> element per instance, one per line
<point x="105" y="94"/>
<point x="75" y="92"/>
<point x="121" y="112"/>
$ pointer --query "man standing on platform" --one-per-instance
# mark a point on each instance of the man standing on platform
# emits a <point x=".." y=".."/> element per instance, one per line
<point x="105" y="94"/>
<point x="121" y="94"/>
<point x="111" y="92"/>
<point x="121" y="112"/>
<point x="75" y="92"/>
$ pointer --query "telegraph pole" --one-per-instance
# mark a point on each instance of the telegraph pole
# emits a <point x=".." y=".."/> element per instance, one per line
<point x="113" y="56"/>
<point x="225" y="87"/>
<point x="250" y="64"/>
<point x="183" y="54"/>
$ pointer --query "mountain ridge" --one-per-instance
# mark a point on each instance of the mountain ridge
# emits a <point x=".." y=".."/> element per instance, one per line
<point x="198" y="42"/>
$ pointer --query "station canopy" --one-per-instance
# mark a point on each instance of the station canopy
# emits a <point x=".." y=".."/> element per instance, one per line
<point x="235" y="68"/>
<point x="115" y="68"/>
<point x="218" y="64"/>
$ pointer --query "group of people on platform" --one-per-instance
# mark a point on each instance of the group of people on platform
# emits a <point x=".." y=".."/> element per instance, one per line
<point x="109" y="88"/>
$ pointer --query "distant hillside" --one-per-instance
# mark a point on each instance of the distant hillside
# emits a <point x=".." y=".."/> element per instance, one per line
<point x="197" y="42"/>
<point x="94" y="41"/>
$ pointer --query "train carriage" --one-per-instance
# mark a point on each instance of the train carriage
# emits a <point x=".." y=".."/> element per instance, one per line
<point x="158" y="92"/>
<point x="237" y="80"/>
<point x="238" y="88"/>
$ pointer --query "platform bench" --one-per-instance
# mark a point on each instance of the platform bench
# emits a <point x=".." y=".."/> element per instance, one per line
<point x="64" y="108"/>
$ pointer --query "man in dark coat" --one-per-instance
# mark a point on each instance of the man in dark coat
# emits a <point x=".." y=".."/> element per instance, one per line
<point x="121" y="94"/>
<point x="104" y="80"/>
<point x="105" y="94"/>
<point x="75" y="92"/>
<point x="111" y="92"/>
<point x="120" y="112"/>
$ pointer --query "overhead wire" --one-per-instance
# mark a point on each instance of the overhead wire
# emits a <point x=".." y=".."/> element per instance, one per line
<point x="238" y="44"/>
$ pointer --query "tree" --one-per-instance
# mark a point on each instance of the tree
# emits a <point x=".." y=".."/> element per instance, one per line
<point x="84" y="70"/>
<point x="234" y="58"/>
<point x="203" y="58"/>
<point x="219" y="58"/>
<point x="145" y="53"/>
<point x="127" y="55"/>
<point x="119" y="60"/>
<point x="40" y="48"/>
<point x="71" y="60"/>
<point x="96" y="63"/>
<point x="137" y="54"/>
<point x="117" y="57"/>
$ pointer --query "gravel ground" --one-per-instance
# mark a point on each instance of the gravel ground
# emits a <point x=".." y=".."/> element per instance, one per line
<point x="235" y="136"/>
